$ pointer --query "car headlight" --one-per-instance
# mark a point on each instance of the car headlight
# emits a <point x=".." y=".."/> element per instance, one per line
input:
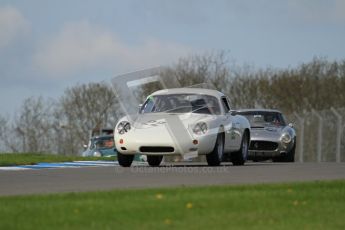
<point x="200" y="128"/>
<point x="97" y="154"/>
<point x="123" y="127"/>
<point x="286" y="138"/>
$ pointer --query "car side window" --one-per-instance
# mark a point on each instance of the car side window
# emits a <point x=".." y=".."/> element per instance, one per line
<point x="283" y="119"/>
<point x="225" y="104"/>
<point x="148" y="106"/>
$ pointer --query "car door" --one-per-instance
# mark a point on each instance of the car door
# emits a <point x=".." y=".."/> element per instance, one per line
<point x="230" y="137"/>
<point x="237" y="130"/>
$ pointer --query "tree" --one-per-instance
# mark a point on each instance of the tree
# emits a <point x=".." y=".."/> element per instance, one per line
<point x="31" y="129"/>
<point x="81" y="109"/>
<point x="209" y="68"/>
<point x="4" y="129"/>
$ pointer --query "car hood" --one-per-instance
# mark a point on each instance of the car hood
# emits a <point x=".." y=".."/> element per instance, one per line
<point x="104" y="152"/>
<point x="147" y="121"/>
<point x="269" y="132"/>
<point x="107" y="151"/>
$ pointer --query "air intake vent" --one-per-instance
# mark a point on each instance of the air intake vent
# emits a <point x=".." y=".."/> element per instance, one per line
<point x="263" y="145"/>
<point x="156" y="149"/>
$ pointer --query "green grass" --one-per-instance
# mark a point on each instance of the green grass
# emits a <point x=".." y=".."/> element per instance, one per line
<point x="12" y="159"/>
<point x="312" y="205"/>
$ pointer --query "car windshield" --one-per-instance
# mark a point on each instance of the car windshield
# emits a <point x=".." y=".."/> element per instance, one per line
<point x="102" y="143"/>
<point x="260" y="119"/>
<point x="181" y="103"/>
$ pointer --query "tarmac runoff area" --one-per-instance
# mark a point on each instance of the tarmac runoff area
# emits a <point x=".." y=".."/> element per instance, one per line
<point x="100" y="176"/>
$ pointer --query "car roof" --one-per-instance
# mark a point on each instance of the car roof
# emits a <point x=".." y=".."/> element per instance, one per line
<point x="202" y="91"/>
<point x="258" y="110"/>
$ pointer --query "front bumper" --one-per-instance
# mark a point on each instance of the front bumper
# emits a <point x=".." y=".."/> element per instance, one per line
<point x="269" y="148"/>
<point x="139" y="141"/>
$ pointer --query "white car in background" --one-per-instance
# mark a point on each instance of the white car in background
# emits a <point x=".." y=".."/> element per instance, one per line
<point x="187" y="122"/>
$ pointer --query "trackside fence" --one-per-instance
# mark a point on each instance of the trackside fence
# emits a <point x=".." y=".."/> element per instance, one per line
<point x="320" y="135"/>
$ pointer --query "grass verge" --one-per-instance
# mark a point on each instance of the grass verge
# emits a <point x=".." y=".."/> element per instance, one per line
<point x="12" y="159"/>
<point x="312" y="205"/>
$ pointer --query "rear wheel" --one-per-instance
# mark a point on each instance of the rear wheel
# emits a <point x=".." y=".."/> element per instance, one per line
<point x="154" y="160"/>
<point x="215" y="157"/>
<point x="239" y="157"/>
<point x="125" y="160"/>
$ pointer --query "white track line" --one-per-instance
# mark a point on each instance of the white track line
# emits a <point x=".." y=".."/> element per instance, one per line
<point x="74" y="164"/>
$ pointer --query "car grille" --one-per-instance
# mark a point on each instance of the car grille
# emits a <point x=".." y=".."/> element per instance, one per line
<point x="263" y="145"/>
<point x="156" y="149"/>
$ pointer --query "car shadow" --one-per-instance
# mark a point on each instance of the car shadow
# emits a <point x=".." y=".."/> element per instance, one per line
<point x="224" y="164"/>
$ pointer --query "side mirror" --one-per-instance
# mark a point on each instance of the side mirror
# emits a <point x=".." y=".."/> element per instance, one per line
<point x="291" y="125"/>
<point x="233" y="112"/>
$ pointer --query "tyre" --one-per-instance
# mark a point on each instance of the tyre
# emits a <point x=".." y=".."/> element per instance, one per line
<point x="125" y="160"/>
<point x="290" y="156"/>
<point x="277" y="159"/>
<point x="214" y="158"/>
<point x="239" y="157"/>
<point x="154" y="160"/>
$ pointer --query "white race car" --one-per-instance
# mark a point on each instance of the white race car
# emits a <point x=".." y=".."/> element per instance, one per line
<point x="187" y="122"/>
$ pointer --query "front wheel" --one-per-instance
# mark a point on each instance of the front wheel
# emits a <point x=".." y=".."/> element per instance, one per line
<point x="125" y="160"/>
<point x="290" y="156"/>
<point x="215" y="157"/>
<point x="239" y="157"/>
<point x="154" y="160"/>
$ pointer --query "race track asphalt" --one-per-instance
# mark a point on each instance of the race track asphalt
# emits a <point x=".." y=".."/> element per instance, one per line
<point x="116" y="177"/>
